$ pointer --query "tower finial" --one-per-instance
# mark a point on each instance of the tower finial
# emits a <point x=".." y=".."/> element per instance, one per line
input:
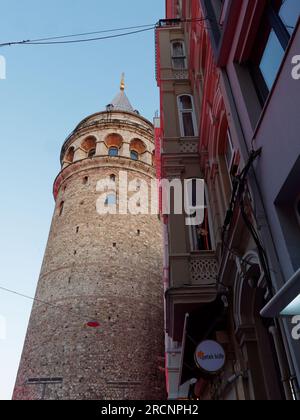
<point x="122" y="86"/>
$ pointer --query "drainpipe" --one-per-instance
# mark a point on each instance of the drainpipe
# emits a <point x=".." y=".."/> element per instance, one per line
<point x="284" y="370"/>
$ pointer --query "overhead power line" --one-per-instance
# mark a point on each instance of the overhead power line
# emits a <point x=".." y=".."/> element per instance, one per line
<point x="65" y="39"/>
<point x="37" y="42"/>
<point x="81" y="316"/>
<point x="128" y="28"/>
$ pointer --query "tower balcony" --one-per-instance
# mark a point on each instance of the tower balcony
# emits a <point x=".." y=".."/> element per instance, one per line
<point x="192" y="285"/>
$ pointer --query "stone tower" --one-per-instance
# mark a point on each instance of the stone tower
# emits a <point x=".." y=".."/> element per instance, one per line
<point x="96" y="329"/>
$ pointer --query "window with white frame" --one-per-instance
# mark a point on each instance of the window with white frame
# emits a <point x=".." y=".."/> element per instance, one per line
<point x="178" y="55"/>
<point x="201" y="235"/>
<point x="187" y="118"/>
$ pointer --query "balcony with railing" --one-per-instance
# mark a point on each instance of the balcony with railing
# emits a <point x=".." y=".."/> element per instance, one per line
<point x="180" y="145"/>
<point x="192" y="284"/>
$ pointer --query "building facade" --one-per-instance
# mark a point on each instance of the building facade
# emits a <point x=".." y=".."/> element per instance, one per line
<point x="96" y="328"/>
<point x="229" y="98"/>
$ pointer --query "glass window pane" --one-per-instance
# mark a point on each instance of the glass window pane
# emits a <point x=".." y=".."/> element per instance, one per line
<point x="188" y="124"/>
<point x="289" y="13"/>
<point x="179" y="63"/>
<point x="134" y="155"/>
<point x="92" y="153"/>
<point x="113" y="151"/>
<point x="178" y="50"/>
<point x="271" y="60"/>
<point x="186" y="102"/>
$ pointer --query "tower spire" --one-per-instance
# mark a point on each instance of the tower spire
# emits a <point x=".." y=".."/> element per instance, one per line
<point x="122" y="86"/>
<point x="121" y="102"/>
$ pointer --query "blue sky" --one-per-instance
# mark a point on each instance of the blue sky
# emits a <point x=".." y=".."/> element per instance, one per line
<point x="48" y="90"/>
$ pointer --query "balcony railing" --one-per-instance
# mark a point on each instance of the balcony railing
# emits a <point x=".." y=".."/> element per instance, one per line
<point x="193" y="284"/>
<point x="166" y="23"/>
<point x="177" y="145"/>
<point x="203" y="268"/>
<point x="193" y="270"/>
<point x="182" y="74"/>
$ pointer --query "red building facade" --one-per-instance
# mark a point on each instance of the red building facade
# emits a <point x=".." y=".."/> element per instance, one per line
<point x="224" y="56"/>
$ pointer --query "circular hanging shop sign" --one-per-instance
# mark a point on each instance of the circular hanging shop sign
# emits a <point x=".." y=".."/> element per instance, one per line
<point x="210" y="356"/>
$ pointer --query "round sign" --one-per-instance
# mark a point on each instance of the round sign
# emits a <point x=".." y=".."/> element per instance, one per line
<point x="210" y="356"/>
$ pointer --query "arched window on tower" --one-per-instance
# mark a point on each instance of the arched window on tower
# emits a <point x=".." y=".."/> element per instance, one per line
<point x="137" y="148"/>
<point x="69" y="157"/>
<point x="187" y="118"/>
<point x="153" y="158"/>
<point x="113" y="142"/>
<point x="92" y="153"/>
<point x="113" y="152"/>
<point x="89" y="146"/>
<point x="61" y="208"/>
<point x="134" y="155"/>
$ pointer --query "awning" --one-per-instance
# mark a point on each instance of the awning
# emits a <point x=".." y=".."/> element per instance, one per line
<point x="286" y="302"/>
<point x="200" y="325"/>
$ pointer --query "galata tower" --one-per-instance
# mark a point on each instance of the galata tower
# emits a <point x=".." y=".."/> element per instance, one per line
<point x="96" y="329"/>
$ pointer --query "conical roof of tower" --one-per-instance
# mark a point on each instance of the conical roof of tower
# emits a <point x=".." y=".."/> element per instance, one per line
<point x="121" y="102"/>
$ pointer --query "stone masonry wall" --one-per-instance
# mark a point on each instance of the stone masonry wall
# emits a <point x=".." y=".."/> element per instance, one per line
<point x="97" y="267"/>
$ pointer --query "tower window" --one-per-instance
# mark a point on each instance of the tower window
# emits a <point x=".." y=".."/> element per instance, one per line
<point x="187" y="119"/>
<point x="178" y="55"/>
<point x="85" y="180"/>
<point x="92" y="153"/>
<point x="113" y="152"/>
<point x="61" y="208"/>
<point x="69" y="158"/>
<point x="154" y="158"/>
<point x="113" y="178"/>
<point x="89" y="146"/>
<point x="134" y="155"/>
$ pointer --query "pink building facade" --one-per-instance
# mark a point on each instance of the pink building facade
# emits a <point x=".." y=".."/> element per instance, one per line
<point x="239" y="64"/>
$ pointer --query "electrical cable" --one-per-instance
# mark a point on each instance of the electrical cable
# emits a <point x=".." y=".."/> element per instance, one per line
<point x="81" y="316"/>
<point x="77" y="35"/>
<point x="29" y="42"/>
<point x="133" y="30"/>
<point x="238" y="194"/>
